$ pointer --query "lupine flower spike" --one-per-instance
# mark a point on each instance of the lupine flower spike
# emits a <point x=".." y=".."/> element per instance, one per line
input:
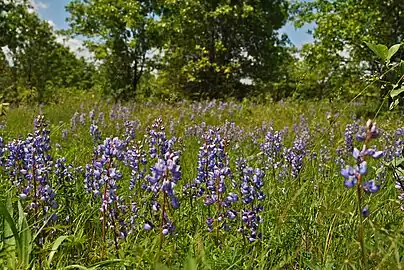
<point x="354" y="175"/>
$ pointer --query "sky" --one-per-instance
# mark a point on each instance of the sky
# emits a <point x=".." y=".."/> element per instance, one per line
<point x="54" y="12"/>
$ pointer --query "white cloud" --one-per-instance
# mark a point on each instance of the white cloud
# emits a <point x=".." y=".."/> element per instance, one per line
<point x="36" y="5"/>
<point x="76" y="46"/>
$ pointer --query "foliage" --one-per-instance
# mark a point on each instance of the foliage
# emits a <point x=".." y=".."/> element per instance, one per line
<point x="397" y="87"/>
<point x="36" y="64"/>
<point x="120" y="34"/>
<point x="213" y="45"/>
<point x="340" y="29"/>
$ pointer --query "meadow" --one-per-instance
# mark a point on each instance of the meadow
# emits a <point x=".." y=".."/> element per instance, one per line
<point x="201" y="185"/>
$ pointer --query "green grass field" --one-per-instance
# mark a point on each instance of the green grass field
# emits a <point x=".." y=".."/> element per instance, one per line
<point x="308" y="218"/>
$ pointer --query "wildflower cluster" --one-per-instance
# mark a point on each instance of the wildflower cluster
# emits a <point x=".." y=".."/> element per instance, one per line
<point x="30" y="168"/>
<point x="163" y="177"/>
<point x="252" y="196"/>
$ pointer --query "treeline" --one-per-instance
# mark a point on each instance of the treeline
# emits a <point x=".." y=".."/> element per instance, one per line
<point x="174" y="49"/>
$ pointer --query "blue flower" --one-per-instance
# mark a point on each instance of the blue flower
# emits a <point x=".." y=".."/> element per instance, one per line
<point x="365" y="211"/>
<point x="371" y="186"/>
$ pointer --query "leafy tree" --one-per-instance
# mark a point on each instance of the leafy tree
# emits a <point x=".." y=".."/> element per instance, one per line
<point x="39" y="64"/>
<point x="213" y="46"/>
<point x="341" y="29"/>
<point x="120" y="33"/>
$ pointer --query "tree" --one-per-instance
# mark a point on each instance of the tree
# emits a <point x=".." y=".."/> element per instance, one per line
<point x="120" y="33"/>
<point x="213" y="46"/>
<point x="341" y="29"/>
<point x="39" y="64"/>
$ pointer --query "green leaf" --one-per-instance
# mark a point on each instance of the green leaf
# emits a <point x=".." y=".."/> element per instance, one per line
<point x="190" y="264"/>
<point x="396" y="92"/>
<point x="12" y="226"/>
<point x="25" y="236"/>
<point x="397" y="162"/>
<point x="55" y="247"/>
<point x="394" y="104"/>
<point x="380" y="50"/>
<point x="9" y="240"/>
<point x="392" y="51"/>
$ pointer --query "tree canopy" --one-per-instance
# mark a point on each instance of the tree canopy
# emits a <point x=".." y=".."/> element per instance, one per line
<point x="173" y="49"/>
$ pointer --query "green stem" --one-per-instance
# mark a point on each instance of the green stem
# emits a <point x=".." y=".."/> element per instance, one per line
<point x="361" y="229"/>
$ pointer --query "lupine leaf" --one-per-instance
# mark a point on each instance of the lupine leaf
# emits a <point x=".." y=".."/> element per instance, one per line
<point x="55" y="247"/>
<point x="25" y="236"/>
<point x="12" y="226"/>
<point x="9" y="240"/>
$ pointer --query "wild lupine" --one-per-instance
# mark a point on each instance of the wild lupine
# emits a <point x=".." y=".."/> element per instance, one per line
<point x="130" y="127"/>
<point x="74" y="121"/>
<point x="294" y="156"/>
<point x="251" y="197"/>
<point x="325" y="157"/>
<point x="29" y="166"/>
<point x="350" y="131"/>
<point x="272" y="149"/>
<point x="91" y="115"/>
<point x="394" y="144"/>
<point x="163" y="177"/>
<point x="65" y="134"/>
<point x="136" y="159"/>
<point x="95" y="132"/>
<point x="82" y="119"/>
<point x="102" y="179"/>
<point x="210" y="182"/>
<point x="101" y="119"/>
<point x="354" y="175"/>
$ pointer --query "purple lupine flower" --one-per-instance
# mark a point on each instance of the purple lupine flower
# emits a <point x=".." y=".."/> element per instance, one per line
<point x="354" y="175"/>
<point x="251" y="221"/>
<point x="64" y="134"/>
<point x="95" y="132"/>
<point x="365" y="211"/>
<point x="130" y="127"/>
<point x="74" y="121"/>
<point x="82" y="119"/>
<point x="163" y="177"/>
<point x="29" y="166"/>
<point x="252" y="195"/>
<point x="102" y="180"/>
<point x="371" y="186"/>
<point x="91" y="115"/>
<point x="350" y="130"/>
<point x="101" y="119"/>
<point x="325" y="157"/>
<point x="136" y="160"/>
<point x="272" y="148"/>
